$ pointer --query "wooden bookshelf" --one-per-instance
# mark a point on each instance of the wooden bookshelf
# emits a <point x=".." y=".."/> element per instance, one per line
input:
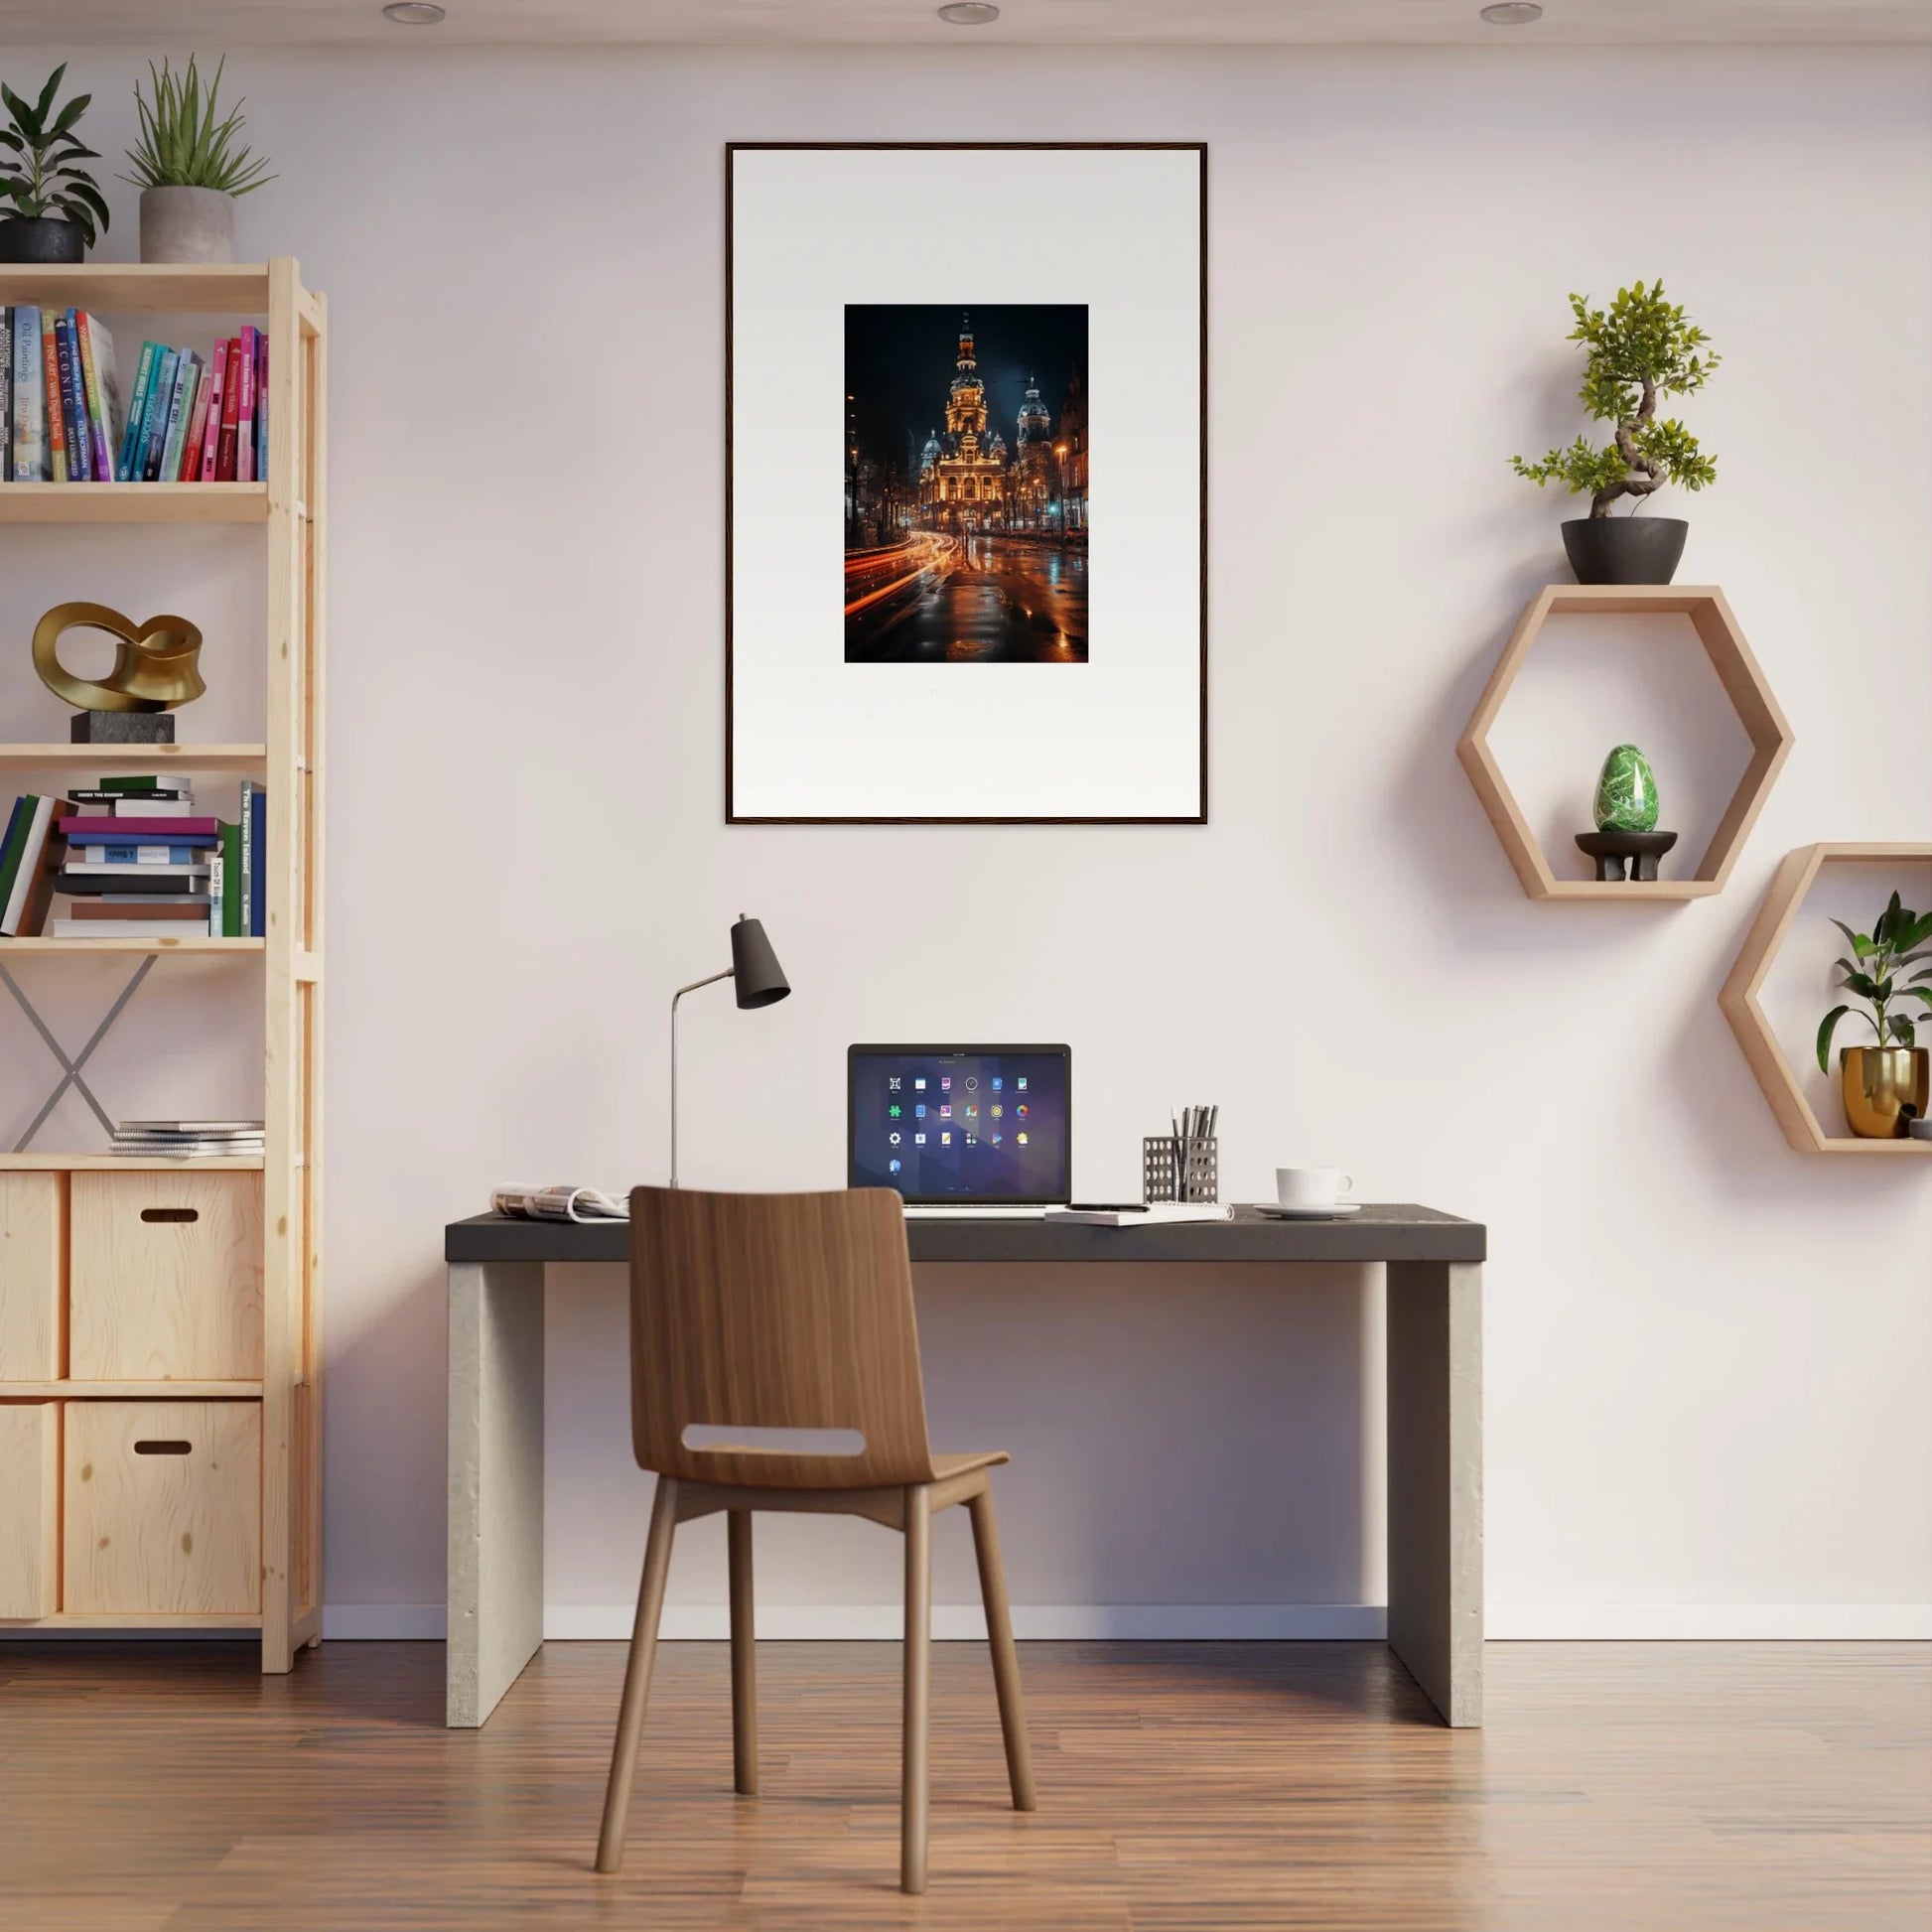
<point x="288" y="508"/>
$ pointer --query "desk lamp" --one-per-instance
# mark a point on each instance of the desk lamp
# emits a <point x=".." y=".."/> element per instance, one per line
<point x="759" y="981"/>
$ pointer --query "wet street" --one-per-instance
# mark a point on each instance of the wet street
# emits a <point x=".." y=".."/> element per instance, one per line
<point x="956" y="600"/>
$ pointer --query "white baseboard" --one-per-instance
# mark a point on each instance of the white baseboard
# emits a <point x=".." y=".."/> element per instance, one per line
<point x="1197" y="1623"/>
<point x="1717" y="1623"/>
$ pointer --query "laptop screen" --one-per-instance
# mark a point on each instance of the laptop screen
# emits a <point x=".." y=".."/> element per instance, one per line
<point x="990" y="1124"/>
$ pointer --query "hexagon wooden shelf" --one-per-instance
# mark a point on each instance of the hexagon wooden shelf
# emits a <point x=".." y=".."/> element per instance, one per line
<point x="1738" y="998"/>
<point x="1743" y="683"/>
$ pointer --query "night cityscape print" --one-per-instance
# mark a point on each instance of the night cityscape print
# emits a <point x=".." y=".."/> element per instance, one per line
<point x="965" y="484"/>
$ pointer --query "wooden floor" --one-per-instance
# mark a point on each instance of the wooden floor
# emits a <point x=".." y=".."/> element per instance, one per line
<point x="1656" y="1787"/>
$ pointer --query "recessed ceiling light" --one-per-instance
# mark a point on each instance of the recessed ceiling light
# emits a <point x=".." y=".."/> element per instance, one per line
<point x="413" y="13"/>
<point x="969" y="12"/>
<point x="1512" y="13"/>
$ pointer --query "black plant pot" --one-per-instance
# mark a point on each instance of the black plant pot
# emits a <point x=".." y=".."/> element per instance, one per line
<point x="39" y="238"/>
<point x="1624" y="549"/>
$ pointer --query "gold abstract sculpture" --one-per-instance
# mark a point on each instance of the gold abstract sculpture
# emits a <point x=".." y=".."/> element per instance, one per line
<point x="154" y="662"/>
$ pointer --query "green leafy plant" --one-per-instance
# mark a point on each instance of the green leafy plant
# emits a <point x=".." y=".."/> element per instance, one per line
<point x="1897" y="941"/>
<point x="182" y="144"/>
<point x="37" y="152"/>
<point x="1642" y="349"/>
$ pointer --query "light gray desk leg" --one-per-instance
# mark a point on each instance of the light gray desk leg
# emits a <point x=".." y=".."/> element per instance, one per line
<point x="496" y="1482"/>
<point x="1434" y="1325"/>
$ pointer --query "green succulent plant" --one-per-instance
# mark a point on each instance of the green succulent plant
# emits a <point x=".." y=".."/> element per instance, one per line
<point x="1642" y="349"/>
<point x="1897" y="940"/>
<point x="182" y="144"/>
<point x="37" y="152"/>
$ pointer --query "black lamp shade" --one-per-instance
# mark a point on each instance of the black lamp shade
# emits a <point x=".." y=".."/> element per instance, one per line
<point x="757" y="977"/>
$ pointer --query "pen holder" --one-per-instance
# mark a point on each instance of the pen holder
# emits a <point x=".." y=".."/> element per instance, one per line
<point x="1180" y="1169"/>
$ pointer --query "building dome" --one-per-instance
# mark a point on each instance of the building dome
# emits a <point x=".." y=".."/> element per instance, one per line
<point x="1034" y="421"/>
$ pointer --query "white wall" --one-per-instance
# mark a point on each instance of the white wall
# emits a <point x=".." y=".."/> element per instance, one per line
<point x="1706" y="1356"/>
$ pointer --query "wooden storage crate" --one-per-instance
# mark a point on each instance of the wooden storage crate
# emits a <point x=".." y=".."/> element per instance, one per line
<point x="166" y="1277"/>
<point x="33" y="1269"/>
<point x="163" y="1507"/>
<point x="29" y="1508"/>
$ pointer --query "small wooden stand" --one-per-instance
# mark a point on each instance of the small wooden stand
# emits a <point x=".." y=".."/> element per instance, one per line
<point x="1612" y="850"/>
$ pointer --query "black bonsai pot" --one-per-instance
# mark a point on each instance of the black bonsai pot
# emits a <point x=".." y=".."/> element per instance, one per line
<point x="39" y="238"/>
<point x="1624" y="549"/>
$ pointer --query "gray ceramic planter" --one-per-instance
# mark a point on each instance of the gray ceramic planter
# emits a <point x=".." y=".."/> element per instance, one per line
<point x="186" y="224"/>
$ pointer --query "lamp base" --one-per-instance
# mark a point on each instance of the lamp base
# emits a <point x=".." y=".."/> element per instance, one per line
<point x="121" y="728"/>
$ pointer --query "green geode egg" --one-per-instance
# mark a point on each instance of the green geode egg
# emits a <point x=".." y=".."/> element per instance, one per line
<point x="1626" y="793"/>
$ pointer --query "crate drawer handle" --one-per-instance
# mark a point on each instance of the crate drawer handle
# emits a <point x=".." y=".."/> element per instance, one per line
<point x="163" y="1446"/>
<point x="171" y="1213"/>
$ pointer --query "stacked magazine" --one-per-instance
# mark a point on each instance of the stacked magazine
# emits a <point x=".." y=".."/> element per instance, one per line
<point x="188" y="1140"/>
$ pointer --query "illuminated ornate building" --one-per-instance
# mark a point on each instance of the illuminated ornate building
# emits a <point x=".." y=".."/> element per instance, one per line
<point x="1073" y="442"/>
<point x="1034" y="485"/>
<point x="963" y="475"/>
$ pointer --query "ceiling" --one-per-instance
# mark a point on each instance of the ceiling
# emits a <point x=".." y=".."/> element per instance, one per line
<point x="911" y="23"/>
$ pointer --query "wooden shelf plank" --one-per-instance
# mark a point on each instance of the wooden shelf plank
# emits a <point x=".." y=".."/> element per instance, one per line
<point x="227" y="288"/>
<point x="199" y="757"/>
<point x="1629" y="889"/>
<point x="118" y="502"/>
<point x="150" y="1390"/>
<point x="8" y="948"/>
<point x="138" y="1620"/>
<point x="1905" y="1150"/>
<point x="30" y="1163"/>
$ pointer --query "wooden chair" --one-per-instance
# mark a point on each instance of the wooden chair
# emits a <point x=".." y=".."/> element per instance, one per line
<point x="770" y="1312"/>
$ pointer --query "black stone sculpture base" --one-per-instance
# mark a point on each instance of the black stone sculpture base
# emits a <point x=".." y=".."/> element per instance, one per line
<point x="1611" y="849"/>
<point x="123" y="728"/>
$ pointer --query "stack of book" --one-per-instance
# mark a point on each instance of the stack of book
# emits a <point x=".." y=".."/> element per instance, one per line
<point x="187" y="1139"/>
<point x="137" y="862"/>
<point x="189" y="418"/>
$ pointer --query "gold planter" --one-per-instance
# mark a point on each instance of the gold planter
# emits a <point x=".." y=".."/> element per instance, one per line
<point x="1879" y="1083"/>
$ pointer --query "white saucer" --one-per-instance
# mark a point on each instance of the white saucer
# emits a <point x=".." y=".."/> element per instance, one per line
<point x="1274" y="1212"/>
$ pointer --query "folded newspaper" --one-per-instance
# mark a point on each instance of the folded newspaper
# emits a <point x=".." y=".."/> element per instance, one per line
<point x="559" y="1205"/>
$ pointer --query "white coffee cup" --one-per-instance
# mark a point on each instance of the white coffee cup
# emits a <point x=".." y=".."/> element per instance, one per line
<point x="1312" y="1186"/>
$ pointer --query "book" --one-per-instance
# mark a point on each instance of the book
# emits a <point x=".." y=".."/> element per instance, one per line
<point x="142" y="907"/>
<point x="245" y="469"/>
<point x="231" y="898"/>
<point x="1156" y="1214"/>
<point x="134" y="782"/>
<point x="56" y="429"/>
<point x="6" y="393"/>
<point x="177" y="831"/>
<point x="200" y="1129"/>
<point x="189" y="466"/>
<point x="137" y="409"/>
<point x="179" y="409"/>
<point x="72" y="409"/>
<point x="129" y="930"/>
<point x="217" y="370"/>
<point x="34" y="877"/>
<point x="261" y="406"/>
<point x="124" y="808"/>
<point x="255" y="866"/>
<point x="102" y="384"/>
<point x="231" y="405"/>
<point x="88" y="882"/>
<point x="154" y="424"/>
<point x="30" y="418"/>
<point x="134" y="855"/>
<point x="103" y="799"/>
<point x="17" y="822"/>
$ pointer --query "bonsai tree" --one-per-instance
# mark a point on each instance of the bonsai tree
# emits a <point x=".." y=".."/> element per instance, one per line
<point x="1897" y="941"/>
<point x="1642" y="349"/>
<point x="182" y="144"/>
<point x="37" y="178"/>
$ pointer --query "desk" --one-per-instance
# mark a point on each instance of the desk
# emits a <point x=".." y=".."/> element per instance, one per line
<point x="1434" y="1411"/>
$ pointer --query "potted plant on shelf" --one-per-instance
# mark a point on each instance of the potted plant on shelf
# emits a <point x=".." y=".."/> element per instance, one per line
<point x="1640" y="350"/>
<point x="1885" y="1086"/>
<point x="55" y="205"/>
<point x="188" y="168"/>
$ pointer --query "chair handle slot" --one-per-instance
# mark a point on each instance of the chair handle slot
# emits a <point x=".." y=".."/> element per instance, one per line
<point x="171" y="1213"/>
<point x="163" y="1446"/>
<point x="751" y="1441"/>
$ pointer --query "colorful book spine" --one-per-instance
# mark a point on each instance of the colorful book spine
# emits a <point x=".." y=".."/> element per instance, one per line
<point x="10" y="846"/>
<point x="178" y="410"/>
<point x="74" y="407"/>
<point x="56" y="429"/>
<point x="30" y="417"/>
<point x="189" y="466"/>
<point x="6" y="394"/>
<point x="231" y="416"/>
<point x="137" y="409"/>
<point x="244" y="463"/>
<point x="261" y="406"/>
<point x="218" y="370"/>
<point x="154" y="831"/>
<point x="33" y="880"/>
<point x="155" y="430"/>
<point x="103" y="400"/>
<point x="229" y="898"/>
<point x="136" y="854"/>
<point x="256" y="863"/>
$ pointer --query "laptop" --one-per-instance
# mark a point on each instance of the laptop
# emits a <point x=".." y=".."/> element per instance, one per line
<point x="962" y="1130"/>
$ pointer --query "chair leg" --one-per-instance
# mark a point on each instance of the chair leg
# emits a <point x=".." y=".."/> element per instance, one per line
<point x="918" y="1687"/>
<point x="744" y="1669"/>
<point x="1006" y="1660"/>
<point x="636" y="1676"/>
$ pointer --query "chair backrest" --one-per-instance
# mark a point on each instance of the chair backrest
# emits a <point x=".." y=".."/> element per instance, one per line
<point x="775" y="1311"/>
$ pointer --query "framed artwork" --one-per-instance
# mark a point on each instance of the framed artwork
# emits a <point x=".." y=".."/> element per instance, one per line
<point x="966" y="482"/>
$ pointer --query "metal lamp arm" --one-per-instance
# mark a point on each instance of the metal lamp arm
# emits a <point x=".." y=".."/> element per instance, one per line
<point x="710" y="980"/>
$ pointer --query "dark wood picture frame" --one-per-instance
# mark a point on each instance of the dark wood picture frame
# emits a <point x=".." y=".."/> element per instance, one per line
<point x="732" y="150"/>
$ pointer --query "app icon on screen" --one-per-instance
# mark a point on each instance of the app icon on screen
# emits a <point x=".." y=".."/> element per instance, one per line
<point x="998" y="1109"/>
<point x="918" y="1110"/>
<point x="893" y="1136"/>
<point x="945" y="1140"/>
<point x="891" y="1083"/>
<point x="995" y="1139"/>
<point x="894" y="1110"/>
<point x="972" y="1080"/>
<point x="972" y="1112"/>
<point x="892" y="1166"/>
<point x="971" y="1142"/>
<point x="945" y="1083"/>
<point x="919" y="1140"/>
<point x="1021" y="1084"/>
<point x="918" y="1083"/>
<point x="1021" y="1110"/>
<point x="946" y="1112"/>
<point x="998" y="1083"/>
<point x="1020" y="1138"/>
